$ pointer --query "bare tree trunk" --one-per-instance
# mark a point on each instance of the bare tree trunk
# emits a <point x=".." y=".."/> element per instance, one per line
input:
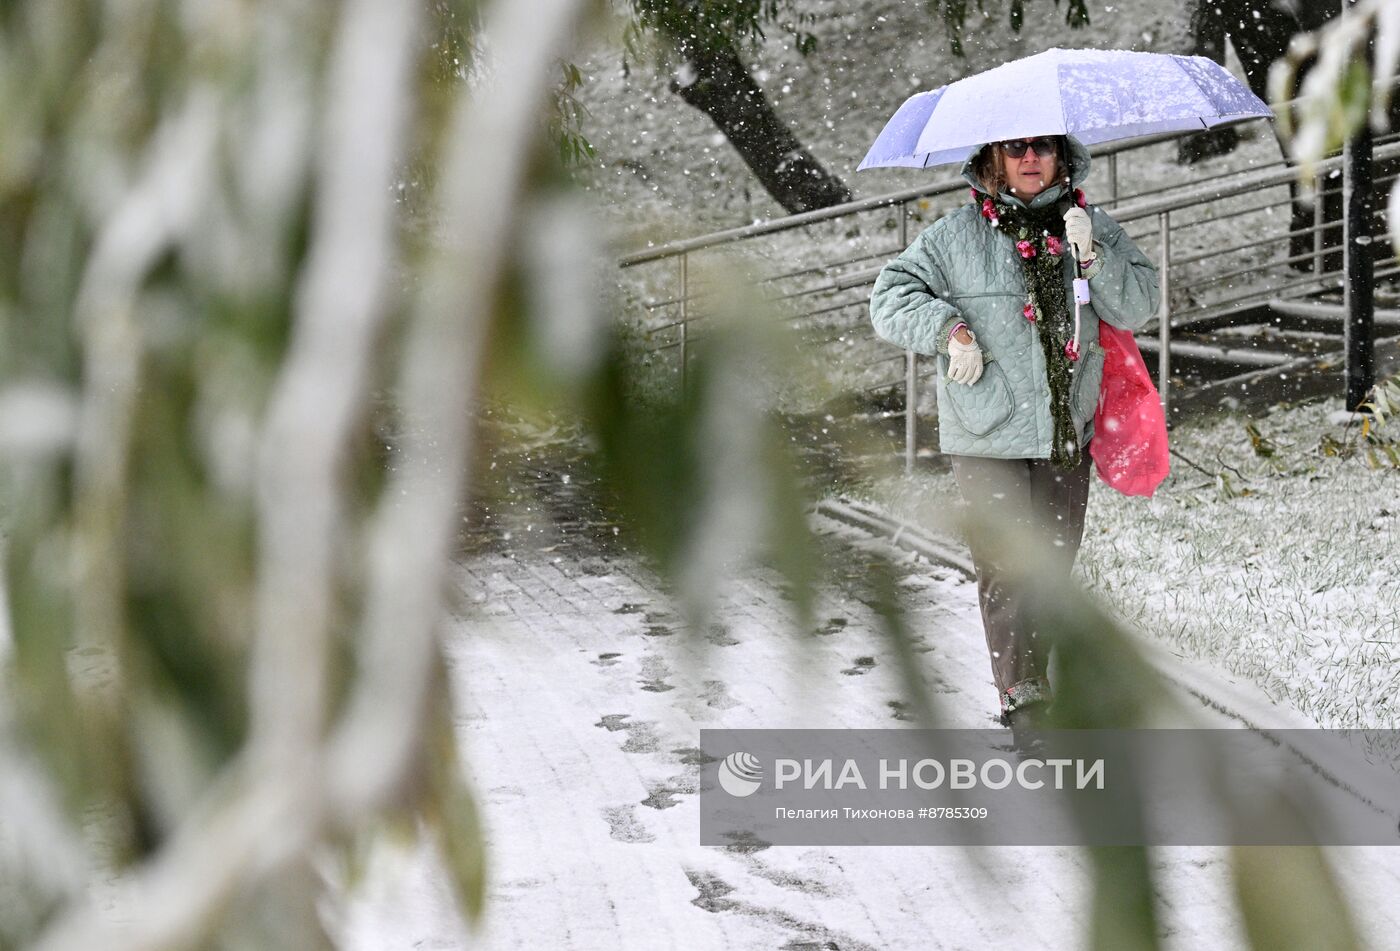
<point x="1260" y="33"/>
<point x="715" y="80"/>
<point x="1207" y="39"/>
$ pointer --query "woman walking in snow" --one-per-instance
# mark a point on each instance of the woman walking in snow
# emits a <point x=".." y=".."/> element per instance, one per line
<point x="988" y="290"/>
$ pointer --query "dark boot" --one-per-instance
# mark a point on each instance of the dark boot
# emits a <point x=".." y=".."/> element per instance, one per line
<point x="1027" y="724"/>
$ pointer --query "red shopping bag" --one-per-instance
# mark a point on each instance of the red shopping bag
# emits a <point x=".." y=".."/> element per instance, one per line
<point x="1129" y="446"/>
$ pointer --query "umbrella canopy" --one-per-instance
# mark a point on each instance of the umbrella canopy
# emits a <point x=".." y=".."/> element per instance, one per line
<point x="1094" y="95"/>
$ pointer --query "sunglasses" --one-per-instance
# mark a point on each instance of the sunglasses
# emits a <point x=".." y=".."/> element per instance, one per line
<point x="1016" y="148"/>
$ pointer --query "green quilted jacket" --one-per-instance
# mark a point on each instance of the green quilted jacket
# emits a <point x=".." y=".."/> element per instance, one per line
<point x="960" y="268"/>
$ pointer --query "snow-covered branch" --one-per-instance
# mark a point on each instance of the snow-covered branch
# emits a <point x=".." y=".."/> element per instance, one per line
<point x="341" y="305"/>
<point x="298" y="779"/>
<point x="484" y="166"/>
<point x="1338" y="93"/>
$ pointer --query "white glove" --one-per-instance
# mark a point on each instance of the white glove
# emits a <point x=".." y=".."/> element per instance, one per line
<point x="964" y="360"/>
<point x="1079" y="232"/>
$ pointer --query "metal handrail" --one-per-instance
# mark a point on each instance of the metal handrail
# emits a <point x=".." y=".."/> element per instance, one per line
<point x="865" y="277"/>
<point x="1260" y="242"/>
<point x="1316" y="229"/>
<point x="1197" y="195"/>
<point x="1215" y="218"/>
<point x="803" y="219"/>
<point x="1261" y="266"/>
<point x="843" y="332"/>
<point x="1328" y="280"/>
<point x="785" y="275"/>
<point x="823" y="268"/>
<point x="1226" y="215"/>
<point x="1208" y="193"/>
<point x="1378" y="214"/>
<point x="833" y="288"/>
<point x="858" y="279"/>
<point x="1143" y="206"/>
<point x="789" y="222"/>
<point x="864" y="301"/>
<point x="1250" y="209"/>
<point x="1243" y="170"/>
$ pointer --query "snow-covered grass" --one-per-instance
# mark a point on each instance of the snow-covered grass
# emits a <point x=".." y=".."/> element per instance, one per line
<point x="1280" y="568"/>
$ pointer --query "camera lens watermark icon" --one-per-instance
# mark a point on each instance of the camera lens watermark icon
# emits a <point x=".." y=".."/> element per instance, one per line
<point x="740" y="774"/>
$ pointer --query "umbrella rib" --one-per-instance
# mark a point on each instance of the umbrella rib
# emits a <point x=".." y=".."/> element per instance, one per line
<point x="1210" y="100"/>
<point x="1064" y="123"/>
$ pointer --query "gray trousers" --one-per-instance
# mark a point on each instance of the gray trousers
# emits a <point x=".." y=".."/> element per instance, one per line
<point x="1052" y="501"/>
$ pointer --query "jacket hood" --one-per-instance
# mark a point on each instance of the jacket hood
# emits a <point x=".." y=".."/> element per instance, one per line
<point x="1078" y="172"/>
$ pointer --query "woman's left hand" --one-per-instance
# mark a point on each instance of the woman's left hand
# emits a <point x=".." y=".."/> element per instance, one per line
<point x="1079" y="231"/>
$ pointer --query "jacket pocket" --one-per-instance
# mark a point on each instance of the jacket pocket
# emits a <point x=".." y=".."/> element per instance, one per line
<point x="983" y="407"/>
<point x="1084" y="394"/>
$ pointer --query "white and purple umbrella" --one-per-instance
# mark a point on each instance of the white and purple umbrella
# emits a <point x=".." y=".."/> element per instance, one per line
<point x="1094" y="95"/>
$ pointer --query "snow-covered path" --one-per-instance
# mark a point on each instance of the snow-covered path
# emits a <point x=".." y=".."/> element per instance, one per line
<point x="581" y="700"/>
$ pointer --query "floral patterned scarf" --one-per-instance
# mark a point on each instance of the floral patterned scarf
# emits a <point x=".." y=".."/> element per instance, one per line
<point x="1039" y="235"/>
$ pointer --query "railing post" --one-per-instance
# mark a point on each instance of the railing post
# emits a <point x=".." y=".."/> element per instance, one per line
<point x="1319" y="207"/>
<point x="1112" y="178"/>
<point x="911" y="409"/>
<point x="1359" y="332"/>
<point x="685" y="315"/>
<point x="1358" y="263"/>
<point x="911" y="372"/>
<point x="1164" y="307"/>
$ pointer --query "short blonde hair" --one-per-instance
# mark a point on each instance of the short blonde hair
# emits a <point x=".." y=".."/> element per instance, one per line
<point x="989" y="165"/>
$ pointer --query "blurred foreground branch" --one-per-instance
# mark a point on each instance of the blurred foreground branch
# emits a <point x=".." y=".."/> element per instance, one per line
<point x="1339" y="92"/>
<point x="312" y="764"/>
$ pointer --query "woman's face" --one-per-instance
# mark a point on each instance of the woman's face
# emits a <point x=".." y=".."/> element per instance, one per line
<point x="1034" y="170"/>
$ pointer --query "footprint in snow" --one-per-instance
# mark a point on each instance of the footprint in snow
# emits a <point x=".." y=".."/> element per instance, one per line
<point x="900" y="708"/>
<point x="663" y="795"/>
<point x="712" y="890"/>
<point x="862" y="665"/>
<point x="718" y="635"/>
<point x="716" y="694"/>
<point x="614" y="721"/>
<point x="654" y="671"/>
<point x="693" y="756"/>
<point x="624" y="826"/>
<point x="641" y="738"/>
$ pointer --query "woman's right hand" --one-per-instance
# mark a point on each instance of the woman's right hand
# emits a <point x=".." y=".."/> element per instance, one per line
<point x="964" y="358"/>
